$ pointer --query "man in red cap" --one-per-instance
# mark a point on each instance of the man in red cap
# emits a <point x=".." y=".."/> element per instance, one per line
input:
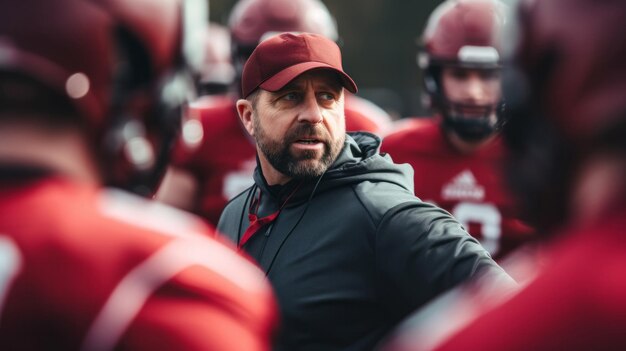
<point x="88" y="90"/>
<point x="203" y="176"/>
<point x="335" y="225"/>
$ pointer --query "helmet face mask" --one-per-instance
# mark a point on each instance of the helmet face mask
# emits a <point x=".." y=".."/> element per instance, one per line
<point x="147" y="110"/>
<point x="142" y="131"/>
<point x="484" y="122"/>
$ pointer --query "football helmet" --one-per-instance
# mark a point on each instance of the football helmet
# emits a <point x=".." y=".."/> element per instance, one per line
<point x="462" y="34"/>
<point x="254" y="20"/>
<point x="121" y="65"/>
<point x="566" y="95"/>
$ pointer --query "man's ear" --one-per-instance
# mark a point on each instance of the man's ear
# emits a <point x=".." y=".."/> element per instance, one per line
<point x="246" y="113"/>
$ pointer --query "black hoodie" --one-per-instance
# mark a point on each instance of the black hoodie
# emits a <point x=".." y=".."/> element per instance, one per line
<point x="353" y="252"/>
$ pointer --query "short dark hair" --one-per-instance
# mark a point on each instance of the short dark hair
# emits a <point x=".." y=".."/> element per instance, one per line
<point x="253" y="97"/>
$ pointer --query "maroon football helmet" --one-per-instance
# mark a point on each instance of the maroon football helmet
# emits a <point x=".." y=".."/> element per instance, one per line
<point x="120" y="64"/>
<point x="253" y="20"/>
<point x="566" y="90"/>
<point x="462" y="34"/>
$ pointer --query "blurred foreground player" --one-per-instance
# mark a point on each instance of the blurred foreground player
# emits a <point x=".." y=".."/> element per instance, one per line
<point x="457" y="155"/>
<point x="567" y="136"/>
<point x="206" y="176"/>
<point x="86" y="89"/>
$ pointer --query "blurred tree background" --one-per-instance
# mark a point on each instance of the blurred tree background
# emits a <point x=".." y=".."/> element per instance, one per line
<point x="379" y="45"/>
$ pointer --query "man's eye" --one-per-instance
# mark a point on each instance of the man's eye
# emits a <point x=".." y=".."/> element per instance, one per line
<point x="290" y="97"/>
<point x="327" y="96"/>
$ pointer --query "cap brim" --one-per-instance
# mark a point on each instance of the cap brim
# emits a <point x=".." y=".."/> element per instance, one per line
<point x="282" y="78"/>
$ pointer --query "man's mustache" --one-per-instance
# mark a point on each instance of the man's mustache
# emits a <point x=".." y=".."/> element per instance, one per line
<point x="308" y="131"/>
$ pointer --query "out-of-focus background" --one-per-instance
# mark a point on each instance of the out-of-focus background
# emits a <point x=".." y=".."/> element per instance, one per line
<point x="378" y="40"/>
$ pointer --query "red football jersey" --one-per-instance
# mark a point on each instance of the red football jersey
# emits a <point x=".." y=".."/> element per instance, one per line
<point x="224" y="162"/>
<point x="576" y="302"/>
<point x="469" y="186"/>
<point x="93" y="269"/>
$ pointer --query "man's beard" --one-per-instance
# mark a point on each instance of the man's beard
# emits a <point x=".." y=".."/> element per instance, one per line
<point x="305" y="165"/>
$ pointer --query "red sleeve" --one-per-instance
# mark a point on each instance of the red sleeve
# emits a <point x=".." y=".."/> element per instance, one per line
<point x="192" y="293"/>
<point x="103" y="270"/>
<point x="224" y="318"/>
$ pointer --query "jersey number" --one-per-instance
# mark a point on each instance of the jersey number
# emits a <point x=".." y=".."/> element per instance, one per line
<point x="487" y="216"/>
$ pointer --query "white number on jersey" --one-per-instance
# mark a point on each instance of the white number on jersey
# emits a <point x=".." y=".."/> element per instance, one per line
<point x="489" y="218"/>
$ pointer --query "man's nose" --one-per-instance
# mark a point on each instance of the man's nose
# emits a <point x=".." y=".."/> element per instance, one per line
<point x="475" y="89"/>
<point x="311" y="110"/>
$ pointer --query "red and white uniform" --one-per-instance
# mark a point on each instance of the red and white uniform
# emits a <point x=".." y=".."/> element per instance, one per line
<point x="93" y="269"/>
<point x="469" y="186"/>
<point x="223" y="163"/>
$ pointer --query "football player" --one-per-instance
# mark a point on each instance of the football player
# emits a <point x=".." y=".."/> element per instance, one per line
<point x="90" y="91"/>
<point x="457" y="154"/>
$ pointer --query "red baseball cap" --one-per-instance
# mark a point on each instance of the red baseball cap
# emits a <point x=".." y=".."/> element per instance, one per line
<point x="281" y="58"/>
